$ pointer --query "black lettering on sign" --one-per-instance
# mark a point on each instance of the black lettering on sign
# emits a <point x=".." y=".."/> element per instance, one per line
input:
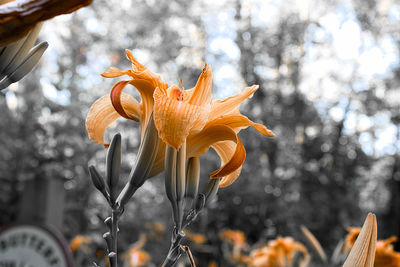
<point x="54" y="262"/>
<point x="24" y="238"/>
<point x="32" y="241"/>
<point x="39" y="245"/>
<point x="48" y="252"/>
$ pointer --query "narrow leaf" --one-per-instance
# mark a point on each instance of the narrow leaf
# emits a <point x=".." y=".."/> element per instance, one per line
<point x="314" y="243"/>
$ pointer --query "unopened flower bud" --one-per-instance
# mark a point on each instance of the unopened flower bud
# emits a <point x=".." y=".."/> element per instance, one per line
<point x="192" y="181"/>
<point x="180" y="182"/>
<point x="145" y="159"/>
<point x="200" y="202"/>
<point x="18" y="58"/>
<point x="211" y="190"/>
<point x="113" y="165"/>
<point x="170" y="180"/>
<point x="98" y="181"/>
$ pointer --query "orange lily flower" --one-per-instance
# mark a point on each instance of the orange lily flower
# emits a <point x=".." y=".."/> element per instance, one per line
<point x="234" y="237"/>
<point x="278" y="253"/>
<point x="180" y="115"/>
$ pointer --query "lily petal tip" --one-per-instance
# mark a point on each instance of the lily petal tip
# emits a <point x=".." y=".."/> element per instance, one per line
<point x="128" y="53"/>
<point x="270" y="133"/>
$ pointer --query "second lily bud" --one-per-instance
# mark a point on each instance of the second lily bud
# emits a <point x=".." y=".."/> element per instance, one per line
<point x="175" y="181"/>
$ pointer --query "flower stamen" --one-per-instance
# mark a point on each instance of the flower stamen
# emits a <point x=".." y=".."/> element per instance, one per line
<point x="176" y="93"/>
<point x="181" y="83"/>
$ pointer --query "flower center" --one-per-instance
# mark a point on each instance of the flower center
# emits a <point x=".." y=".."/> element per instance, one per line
<point x="176" y="93"/>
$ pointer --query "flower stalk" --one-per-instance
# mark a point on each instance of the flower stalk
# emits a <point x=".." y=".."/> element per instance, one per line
<point x="139" y="174"/>
<point x="181" y="184"/>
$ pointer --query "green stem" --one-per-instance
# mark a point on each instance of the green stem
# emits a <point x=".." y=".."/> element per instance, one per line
<point x="175" y="250"/>
<point x="114" y="238"/>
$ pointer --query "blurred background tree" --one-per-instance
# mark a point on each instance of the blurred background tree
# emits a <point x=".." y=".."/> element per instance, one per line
<point x="329" y="79"/>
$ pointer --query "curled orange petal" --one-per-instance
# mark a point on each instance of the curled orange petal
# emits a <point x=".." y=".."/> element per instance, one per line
<point x="102" y="114"/>
<point x="234" y="162"/>
<point x="198" y="144"/>
<point x="226" y="143"/>
<point x="115" y="97"/>
<point x="145" y="82"/>
<point x="226" y="150"/>
<point x="230" y="178"/>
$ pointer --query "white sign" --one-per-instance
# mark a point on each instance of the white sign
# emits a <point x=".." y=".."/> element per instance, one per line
<point x="33" y="246"/>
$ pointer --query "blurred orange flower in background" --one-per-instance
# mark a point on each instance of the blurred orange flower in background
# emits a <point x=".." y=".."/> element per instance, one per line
<point x="234" y="237"/>
<point x="351" y="238"/>
<point x="385" y="256"/>
<point x="196" y="238"/>
<point x="278" y="253"/>
<point x="155" y="231"/>
<point x="80" y="242"/>
<point x="136" y="257"/>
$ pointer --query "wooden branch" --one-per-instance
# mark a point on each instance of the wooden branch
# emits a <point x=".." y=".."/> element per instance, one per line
<point x="18" y="17"/>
